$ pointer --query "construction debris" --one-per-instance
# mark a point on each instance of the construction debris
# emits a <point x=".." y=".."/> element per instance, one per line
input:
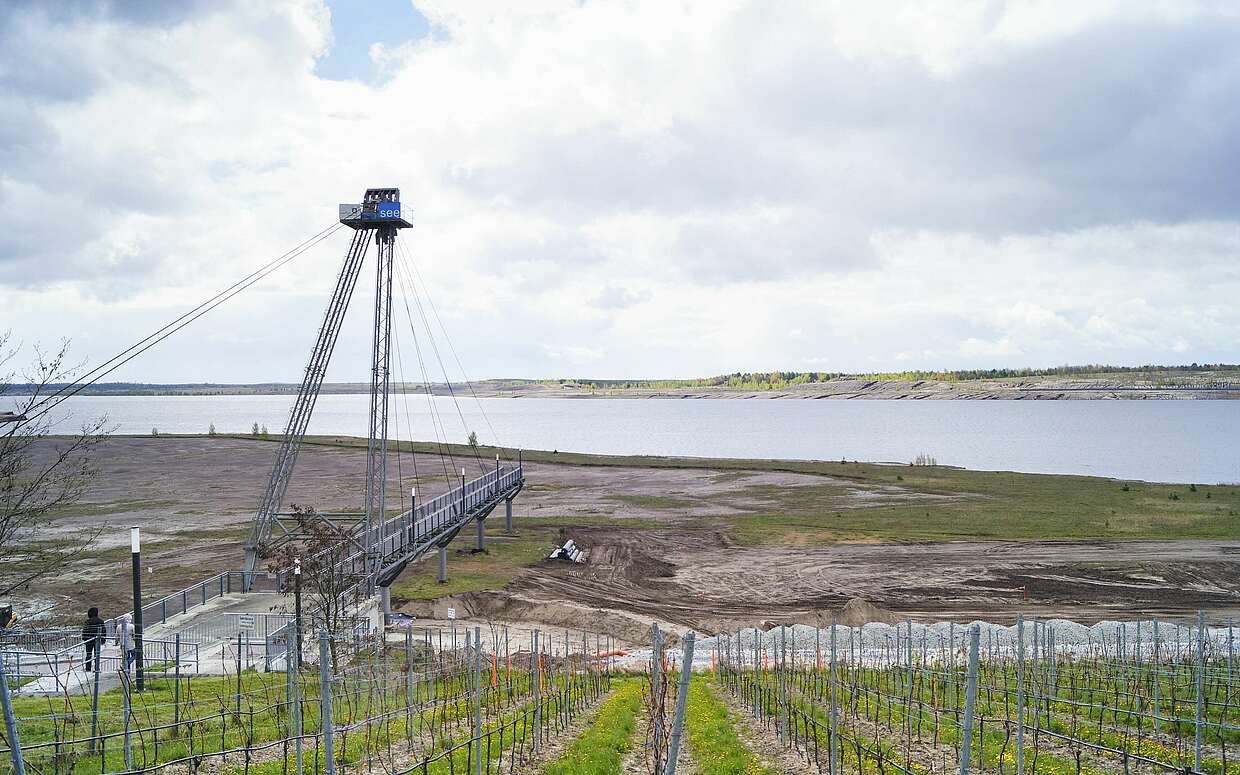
<point x="569" y="552"/>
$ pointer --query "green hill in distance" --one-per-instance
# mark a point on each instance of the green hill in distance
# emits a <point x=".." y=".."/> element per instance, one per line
<point x="1087" y="381"/>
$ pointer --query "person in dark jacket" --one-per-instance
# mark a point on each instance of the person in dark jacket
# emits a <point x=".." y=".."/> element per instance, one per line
<point x="92" y="633"/>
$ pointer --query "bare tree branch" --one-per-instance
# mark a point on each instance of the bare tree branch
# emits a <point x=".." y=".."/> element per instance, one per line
<point x="36" y="485"/>
<point x="331" y="589"/>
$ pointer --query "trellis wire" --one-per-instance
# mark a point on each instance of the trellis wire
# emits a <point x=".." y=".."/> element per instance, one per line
<point x="442" y="699"/>
<point x="1125" y="698"/>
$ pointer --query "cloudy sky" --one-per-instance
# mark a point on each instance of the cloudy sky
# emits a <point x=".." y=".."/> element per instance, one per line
<point x="641" y="189"/>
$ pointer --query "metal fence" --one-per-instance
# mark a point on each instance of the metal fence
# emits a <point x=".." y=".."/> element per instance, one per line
<point x="1040" y="697"/>
<point x="456" y="699"/>
<point x="30" y="664"/>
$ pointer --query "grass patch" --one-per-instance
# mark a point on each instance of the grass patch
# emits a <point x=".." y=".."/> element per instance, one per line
<point x="652" y="501"/>
<point x="981" y="504"/>
<point x="467" y="572"/>
<point x="730" y="476"/>
<point x="712" y="735"/>
<point x="797" y="497"/>
<point x="600" y="749"/>
<point x="998" y="506"/>
<point x="88" y="509"/>
<point x="576" y="520"/>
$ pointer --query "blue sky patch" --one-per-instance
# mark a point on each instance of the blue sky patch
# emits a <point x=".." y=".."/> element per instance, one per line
<point x="356" y="25"/>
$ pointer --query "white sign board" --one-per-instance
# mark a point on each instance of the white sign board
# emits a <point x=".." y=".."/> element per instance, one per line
<point x="245" y="621"/>
<point x="451" y="613"/>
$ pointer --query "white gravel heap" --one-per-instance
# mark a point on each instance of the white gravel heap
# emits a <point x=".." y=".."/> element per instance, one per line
<point x="947" y="641"/>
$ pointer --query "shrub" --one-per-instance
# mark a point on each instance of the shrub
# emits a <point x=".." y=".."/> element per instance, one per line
<point x="254" y="429"/>
<point x="154" y="431"/>
<point x="211" y="429"/>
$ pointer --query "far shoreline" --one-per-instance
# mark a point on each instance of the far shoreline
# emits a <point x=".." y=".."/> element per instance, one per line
<point x="842" y="390"/>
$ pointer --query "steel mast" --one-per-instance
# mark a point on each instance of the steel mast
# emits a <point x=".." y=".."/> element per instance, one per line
<point x="380" y="383"/>
<point x="379" y="212"/>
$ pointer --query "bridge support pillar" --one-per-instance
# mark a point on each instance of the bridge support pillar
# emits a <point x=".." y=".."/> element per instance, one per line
<point x="482" y="535"/>
<point x="385" y="604"/>
<point x="443" y="565"/>
<point x="508" y="515"/>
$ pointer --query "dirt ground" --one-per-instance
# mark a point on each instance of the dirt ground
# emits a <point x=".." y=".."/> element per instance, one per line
<point x="696" y="579"/>
<point x="194" y="498"/>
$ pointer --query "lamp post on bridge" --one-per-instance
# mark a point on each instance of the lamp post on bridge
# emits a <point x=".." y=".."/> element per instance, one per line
<point x="410" y="529"/>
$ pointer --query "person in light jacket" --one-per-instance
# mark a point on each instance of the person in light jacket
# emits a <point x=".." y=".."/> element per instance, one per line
<point x="124" y="639"/>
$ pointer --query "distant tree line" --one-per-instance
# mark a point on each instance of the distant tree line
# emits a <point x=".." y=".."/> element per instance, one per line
<point x="775" y="380"/>
<point x="742" y="380"/>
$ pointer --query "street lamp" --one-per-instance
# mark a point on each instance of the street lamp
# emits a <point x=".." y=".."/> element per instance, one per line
<point x="135" y="547"/>
<point x="297" y="612"/>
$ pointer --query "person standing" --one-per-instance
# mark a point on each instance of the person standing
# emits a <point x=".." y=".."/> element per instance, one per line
<point x="125" y="640"/>
<point x="92" y="636"/>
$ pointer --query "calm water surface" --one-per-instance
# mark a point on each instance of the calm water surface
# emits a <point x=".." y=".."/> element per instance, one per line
<point x="1174" y="441"/>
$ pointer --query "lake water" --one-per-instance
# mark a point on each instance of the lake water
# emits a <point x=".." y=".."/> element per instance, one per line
<point x="1173" y="441"/>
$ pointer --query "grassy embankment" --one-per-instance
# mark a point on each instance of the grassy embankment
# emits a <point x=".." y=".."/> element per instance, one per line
<point x="969" y="504"/>
<point x="944" y="504"/>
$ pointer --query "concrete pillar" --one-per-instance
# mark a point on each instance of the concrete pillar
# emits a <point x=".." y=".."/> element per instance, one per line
<point x="508" y="515"/>
<point x="385" y="604"/>
<point x="482" y="535"/>
<point x="443" y="565"/>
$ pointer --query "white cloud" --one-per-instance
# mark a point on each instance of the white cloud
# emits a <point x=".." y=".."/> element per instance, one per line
<point x="644" y="188"/>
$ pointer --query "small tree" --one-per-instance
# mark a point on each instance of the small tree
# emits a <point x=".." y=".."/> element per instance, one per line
<point x="254" y="429"/>
<point x="211" y="429"/>
<point x="473" y="439"/>
<point x="40" y="474"/>
<point x="154" y="431"/>
<point x="263" y="432"/>
<point x="331" y="591"/>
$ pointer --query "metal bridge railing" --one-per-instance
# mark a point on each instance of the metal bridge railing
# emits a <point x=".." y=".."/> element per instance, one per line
<point x="429" y="521"/>
<point x="181" y="602"/>
<point x="425" y="523"/>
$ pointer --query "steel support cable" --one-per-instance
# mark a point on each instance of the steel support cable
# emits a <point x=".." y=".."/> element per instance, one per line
<point x="307" y="394"/>
<point x="400" y="367"/>
<point x="400" y="469"/>
<point x="435" y="347"/>
<point x="404" y="400"/>
<point x="430" y="399"/>
<point x="99" y="372"/>
<point x="437" y="426"/>
<point x="417" y="298"/>
<point x="507" y="452"/>
<point x="440" y="427"/>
